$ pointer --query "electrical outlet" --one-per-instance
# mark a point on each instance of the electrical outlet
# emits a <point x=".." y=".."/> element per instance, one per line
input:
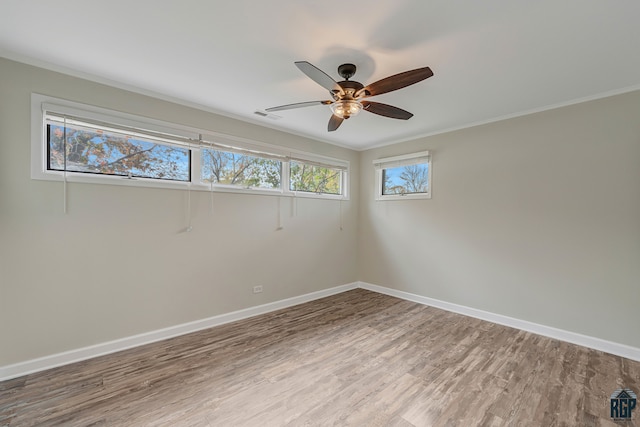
<point x="257" y="289"/>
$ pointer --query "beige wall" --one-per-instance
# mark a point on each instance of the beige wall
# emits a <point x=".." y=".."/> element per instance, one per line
<point x="537" y="218"/>
<point x="117" y="265"/>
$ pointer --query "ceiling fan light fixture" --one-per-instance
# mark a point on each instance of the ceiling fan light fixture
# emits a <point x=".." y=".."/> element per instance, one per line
<point x="346" y="108"/>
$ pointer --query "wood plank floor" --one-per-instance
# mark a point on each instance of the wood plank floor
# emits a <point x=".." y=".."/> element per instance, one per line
<point x="354" y="359"/>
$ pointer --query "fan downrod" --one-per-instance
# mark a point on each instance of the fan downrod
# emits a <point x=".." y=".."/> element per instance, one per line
<point x="347" y="71"/>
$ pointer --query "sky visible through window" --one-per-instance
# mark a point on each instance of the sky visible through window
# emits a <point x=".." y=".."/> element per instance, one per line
<point x="110" y="153"/>
<point x="240" y="169"/>
<point x="406" y="179"/>
<point x="87" y="148"/>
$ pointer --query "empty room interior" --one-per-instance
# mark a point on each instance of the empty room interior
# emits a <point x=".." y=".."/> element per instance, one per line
<point x="302" y="213"/>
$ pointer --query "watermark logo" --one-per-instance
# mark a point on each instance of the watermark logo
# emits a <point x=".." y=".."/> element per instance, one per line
<point x="623" y="401"/>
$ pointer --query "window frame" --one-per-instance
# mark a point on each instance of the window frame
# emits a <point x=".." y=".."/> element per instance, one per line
<point x="191" y="138"/>
<point x="63" y="121"/>
<point x="421" y="157"/>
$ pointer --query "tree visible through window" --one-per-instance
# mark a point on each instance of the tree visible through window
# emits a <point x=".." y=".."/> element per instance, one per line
<point x="222" y="167"/>
<point x="315" y="179"/>
<point x="406" y="179"/>
<point x="95" y="145"/>
<point x="110" y="153"/>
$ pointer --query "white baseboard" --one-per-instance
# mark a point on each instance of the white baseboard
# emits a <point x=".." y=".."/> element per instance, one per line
<point x="617" y="349"/>
<point x="35" y="365"/>
<point x="72" y="356"/>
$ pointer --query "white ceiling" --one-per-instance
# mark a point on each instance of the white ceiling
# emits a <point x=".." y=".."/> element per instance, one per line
<point x="491" y="59"/>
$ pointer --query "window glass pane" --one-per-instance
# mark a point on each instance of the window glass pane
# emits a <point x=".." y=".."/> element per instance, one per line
<point x="409" y="179"/>
<point x="95" y="151"/>
<point x="315" y="179"/>
<point x="239" y="169"/>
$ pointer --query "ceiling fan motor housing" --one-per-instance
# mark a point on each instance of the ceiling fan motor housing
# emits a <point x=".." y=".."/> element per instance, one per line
<point x="350" y="87"/>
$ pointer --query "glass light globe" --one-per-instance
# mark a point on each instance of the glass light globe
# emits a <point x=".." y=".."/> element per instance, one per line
<point x="346" y="108"/>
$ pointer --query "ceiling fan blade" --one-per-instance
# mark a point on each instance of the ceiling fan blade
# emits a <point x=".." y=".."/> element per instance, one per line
<point x="319" y="76"/>
<point x="395" y="82"/>
<point x="386" y="110"/>
<point x="298" y="105"/>
<point x="334" y="123"/>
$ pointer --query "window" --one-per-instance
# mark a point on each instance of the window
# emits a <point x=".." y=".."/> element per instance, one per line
<point x="313" y="178"/>
<point x="236" y="169"/>
<point x="77" y="146"/>
<point x="404" y="177"/>
<point x="73" y="142"/>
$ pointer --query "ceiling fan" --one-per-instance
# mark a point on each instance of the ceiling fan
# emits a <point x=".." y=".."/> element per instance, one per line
<point x="348" y="95"/>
